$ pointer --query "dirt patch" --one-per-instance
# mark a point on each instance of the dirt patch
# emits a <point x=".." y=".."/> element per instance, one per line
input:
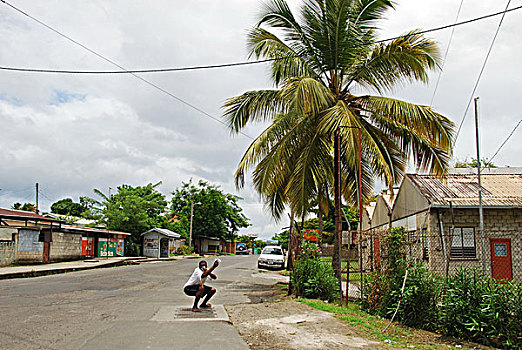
<point x="289" y="325"/>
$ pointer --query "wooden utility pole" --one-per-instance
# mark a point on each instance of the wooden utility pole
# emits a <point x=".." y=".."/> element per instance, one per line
<point x="36" y="204"/>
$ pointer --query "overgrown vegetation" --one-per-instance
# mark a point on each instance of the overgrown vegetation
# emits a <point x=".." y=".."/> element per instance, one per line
<point x="467" y="305"/>
<point x="313" y="278"/>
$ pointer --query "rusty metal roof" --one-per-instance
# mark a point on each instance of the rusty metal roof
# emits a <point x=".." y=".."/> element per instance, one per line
<point x="461" y="190"/>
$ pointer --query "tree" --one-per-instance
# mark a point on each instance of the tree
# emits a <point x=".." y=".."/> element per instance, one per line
<point x="484" y="163"/>
<point x="66" y="206"/>
<point x="24" y="207"/>
<point x="320" y="59"/>
<point x="216" y="214"/>
<point x="131" y="209"/>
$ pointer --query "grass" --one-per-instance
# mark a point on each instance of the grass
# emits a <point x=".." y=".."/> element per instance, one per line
<point x="397" y="335"/>
<point x="354" y="266"/>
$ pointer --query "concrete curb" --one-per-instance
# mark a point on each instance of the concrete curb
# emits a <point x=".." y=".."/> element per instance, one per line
<point x="51" y="269"/>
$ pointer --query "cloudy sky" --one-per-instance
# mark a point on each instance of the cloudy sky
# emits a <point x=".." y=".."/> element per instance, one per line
<point x="72" y="133"/>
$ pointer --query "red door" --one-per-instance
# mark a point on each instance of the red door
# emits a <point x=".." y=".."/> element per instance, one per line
<point x="46" y="248"/>
<point x="501" y="268"/>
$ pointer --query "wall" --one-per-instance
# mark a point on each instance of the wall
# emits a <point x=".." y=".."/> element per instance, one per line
<point x="498" y="223"/>
<point x="7" y="253"/>
<point x="29" y="248"/>
<point x="151" y="244"/>
<point x="65" y="246"/>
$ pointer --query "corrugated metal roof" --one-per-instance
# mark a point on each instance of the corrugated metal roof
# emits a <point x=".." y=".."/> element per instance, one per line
<point x="498" y="190"/>
<point x="164" y="231"/>
<point x="20" y="213"/>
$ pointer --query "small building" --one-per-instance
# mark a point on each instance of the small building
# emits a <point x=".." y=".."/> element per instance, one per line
<point x="161" y="243"/>
<point x="442" y="221"/>
<point x="205" y="244"/>
<point x="38" y="239"/>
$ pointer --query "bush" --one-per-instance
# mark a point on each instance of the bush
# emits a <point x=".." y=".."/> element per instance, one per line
<point x="184" y="250"/>
<point x="315" y="279"/>
<point x="478" y="308"/>
<point x="419" y="305"/>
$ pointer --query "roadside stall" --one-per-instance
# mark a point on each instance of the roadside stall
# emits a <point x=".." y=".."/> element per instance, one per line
<point x="160" y="243"/>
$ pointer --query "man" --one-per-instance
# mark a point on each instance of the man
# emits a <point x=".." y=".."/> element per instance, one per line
<point x="196" y="287"/>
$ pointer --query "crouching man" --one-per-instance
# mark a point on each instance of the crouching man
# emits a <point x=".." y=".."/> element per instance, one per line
<point x="196" y="287"/>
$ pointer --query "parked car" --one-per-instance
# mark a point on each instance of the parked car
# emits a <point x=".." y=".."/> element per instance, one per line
<point x="271" y="257"/>
<point x="241" y="248"/>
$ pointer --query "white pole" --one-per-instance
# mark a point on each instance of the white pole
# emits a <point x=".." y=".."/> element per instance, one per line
<point x="481" y="214"/>
<point x="190" y="229"/>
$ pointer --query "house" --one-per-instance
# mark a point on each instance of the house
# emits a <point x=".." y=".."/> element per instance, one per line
<point x="205" y="244"/>
<point x="443" y="223"/>
<point x="161" y="243"/>
<point x="33" y="238"/>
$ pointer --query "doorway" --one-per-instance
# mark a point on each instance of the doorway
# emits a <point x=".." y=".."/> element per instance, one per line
<point x="501" y="264"/>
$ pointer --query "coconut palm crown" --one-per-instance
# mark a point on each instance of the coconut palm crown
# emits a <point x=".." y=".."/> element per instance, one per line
<point x="320" y="59"/>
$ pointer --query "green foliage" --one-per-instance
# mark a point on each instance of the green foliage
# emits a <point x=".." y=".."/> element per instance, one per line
<point x="131" y="209"/>
<point x="24" y="207"/>
<point x="66" y="206"/>
<point x="283" y="238"/>
<point x="468" y="305"/>
<point x="313" y="278"/>
<point x="215" y="214"/>
<point x="478" y="308"/>
<point x="184" y="250"/>
<point x="484" y="163"/>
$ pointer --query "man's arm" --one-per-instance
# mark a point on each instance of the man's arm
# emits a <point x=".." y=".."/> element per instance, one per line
<point x="209" y="271"/>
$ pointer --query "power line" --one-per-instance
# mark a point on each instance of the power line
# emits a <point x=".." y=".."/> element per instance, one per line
<point x="506" y="140"/>
<point x="120" y="67"/>
<point x="211" y="66"/>
<point x="446" y="54"/>
<point x="480" y="74"/>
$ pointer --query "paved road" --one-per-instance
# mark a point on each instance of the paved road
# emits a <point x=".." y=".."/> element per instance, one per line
<point x="127" y="307"/>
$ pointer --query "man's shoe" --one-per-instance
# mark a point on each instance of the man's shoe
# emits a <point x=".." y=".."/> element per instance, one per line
<point x="206" y="306"/>
<point x="195" y="309"/>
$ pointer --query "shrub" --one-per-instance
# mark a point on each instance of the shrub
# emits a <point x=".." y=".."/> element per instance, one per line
<point x="184" y="250"/>
<point x="419" y="305"/>
<point x="313" y="278"/>
<point x="478" y="308"/>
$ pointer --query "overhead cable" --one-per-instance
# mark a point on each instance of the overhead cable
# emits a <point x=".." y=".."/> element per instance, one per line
<point x="446" y="54"/>
<point x="506" y="140"/>
<point x="121" y="67"/>
<point x="481" y="71"/>
<point x="212" y="66"/>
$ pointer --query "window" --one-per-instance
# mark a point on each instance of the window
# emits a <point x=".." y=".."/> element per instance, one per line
<point x="463" y="242"/>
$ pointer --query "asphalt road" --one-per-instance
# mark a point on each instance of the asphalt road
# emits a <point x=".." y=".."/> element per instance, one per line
<point x="128" y="307"/>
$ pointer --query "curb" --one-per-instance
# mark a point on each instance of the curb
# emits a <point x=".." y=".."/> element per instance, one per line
<point x="96" y="265"/>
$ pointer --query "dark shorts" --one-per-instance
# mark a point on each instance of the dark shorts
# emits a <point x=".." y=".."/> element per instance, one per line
<point x="192" y="290"/>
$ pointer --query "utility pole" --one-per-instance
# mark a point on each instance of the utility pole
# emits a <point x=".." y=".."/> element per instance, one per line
<point x="481" y="214"/>
<point x="190" y="229"/>
<point x="36" y="204"/>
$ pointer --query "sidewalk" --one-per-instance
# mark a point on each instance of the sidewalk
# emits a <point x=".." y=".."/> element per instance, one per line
<point x="22" y="271"/>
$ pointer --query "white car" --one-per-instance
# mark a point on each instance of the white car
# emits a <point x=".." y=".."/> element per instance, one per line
<point x="271" y="257"/>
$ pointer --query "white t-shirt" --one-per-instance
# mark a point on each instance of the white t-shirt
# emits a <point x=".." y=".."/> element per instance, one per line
<point x="195" y="278"/>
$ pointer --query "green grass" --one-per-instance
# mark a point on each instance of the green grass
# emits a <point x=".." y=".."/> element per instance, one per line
<point x="370" y="327"/>
<point x="354" y="266"/>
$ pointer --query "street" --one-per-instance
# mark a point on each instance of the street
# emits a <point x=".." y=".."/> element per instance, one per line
<point x="128" y="307"/>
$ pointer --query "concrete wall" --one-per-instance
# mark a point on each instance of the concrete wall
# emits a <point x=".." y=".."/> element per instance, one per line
<point x="498" y="223"/>
<point x="65" y="246"/>
<point x="29" y="249"/>
<point x="7" y="253"/>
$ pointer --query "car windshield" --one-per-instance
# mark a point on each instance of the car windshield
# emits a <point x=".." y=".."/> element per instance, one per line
<point x="273" y="251"/>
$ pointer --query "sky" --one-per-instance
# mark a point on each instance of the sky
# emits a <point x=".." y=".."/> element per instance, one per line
<point x="73" y="133"/>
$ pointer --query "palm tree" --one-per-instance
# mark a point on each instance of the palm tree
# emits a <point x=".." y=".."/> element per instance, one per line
<point x="323" y="63"/>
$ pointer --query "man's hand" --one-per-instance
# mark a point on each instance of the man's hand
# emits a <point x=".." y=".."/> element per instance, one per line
<point x="216" y="263"/>
<point x="213" y="276"/>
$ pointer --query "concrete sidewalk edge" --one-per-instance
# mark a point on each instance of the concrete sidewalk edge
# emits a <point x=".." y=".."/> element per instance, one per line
<point x="26" y="271"/>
